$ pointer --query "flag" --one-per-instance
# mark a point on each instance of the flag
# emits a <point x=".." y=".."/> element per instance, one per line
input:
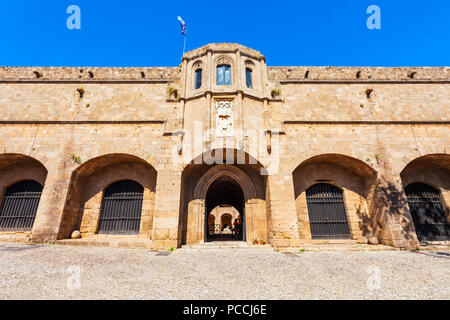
<point x="183" y="26"/>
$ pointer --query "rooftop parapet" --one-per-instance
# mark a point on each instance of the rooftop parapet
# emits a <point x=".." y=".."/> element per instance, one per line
<point x="88" y="74"/>
<point x="304" y="74"/>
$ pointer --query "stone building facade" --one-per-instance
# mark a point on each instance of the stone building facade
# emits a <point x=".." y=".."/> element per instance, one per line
<point x="224" y="128"/>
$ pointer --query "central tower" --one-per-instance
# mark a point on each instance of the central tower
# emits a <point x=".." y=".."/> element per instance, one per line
<point x="216" y="79"/>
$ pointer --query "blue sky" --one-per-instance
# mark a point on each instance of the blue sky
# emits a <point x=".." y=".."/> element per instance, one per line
<point x="296" y="32"/>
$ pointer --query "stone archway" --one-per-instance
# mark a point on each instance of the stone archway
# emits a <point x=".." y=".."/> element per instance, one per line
<point x="200" y="195"/>
<point x="19" y="205"/>
<point x="87" y="189"/>
<point x="354" y="178"/>
<point x="426" y="181"/>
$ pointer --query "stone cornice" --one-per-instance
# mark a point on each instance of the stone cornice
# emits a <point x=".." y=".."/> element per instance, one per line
<point x="102" y="81"/>
<point x="366" y="122"/>
<point x="57" y="122"/>
<point x="338" y="81"/>
<point x="230" y="93"/>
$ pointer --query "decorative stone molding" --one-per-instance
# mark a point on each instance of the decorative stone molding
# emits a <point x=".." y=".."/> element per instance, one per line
<point x="223" y="60"/>
<point x="224" y="118"/>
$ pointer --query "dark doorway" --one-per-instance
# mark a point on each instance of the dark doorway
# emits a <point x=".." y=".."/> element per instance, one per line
<point x="19" y="206"/>
<point x="225" y="191"/>
<point x="326" y="211"/>
<point x="121" y="208"/>
<point x="427" y="213"/>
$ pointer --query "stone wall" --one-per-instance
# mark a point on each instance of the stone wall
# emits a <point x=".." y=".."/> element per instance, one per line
<point x="361" y="128"/>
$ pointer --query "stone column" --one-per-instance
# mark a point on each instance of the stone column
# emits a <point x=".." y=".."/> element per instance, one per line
<point x="51" y="206"/>
<point x="283" y="228"/>
<point x="392" y="219"/>
<point x="211" y="71"/>
<point x="195" y="221"/>
<point x="238" y="77"/>
<point x="167" y="210"/>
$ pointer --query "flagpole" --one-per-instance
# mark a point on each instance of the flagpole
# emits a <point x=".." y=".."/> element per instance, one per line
<point x="183" y="31"/>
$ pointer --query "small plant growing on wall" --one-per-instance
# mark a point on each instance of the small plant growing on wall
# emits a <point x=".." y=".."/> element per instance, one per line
<point x="76" y="159"/>
<point x="81" y="92"/>
<point x="276" y="93"/>
<point x="378" y="158"/>
<point x="369" y="92"/>
<point x="173" y="93"/>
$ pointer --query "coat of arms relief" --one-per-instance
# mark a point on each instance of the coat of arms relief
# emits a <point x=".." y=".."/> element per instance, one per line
<point x="224" y="119"/>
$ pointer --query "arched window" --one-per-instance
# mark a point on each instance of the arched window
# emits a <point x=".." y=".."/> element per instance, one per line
<point x="326" y="211"/>
<point x="224" y="75"/>
<point x="19" y="206"/>
<point x="427" y="212"/>
<point x="198" y="78"/>
<point x="248" y="77"/>
<point x="121" y="208"/>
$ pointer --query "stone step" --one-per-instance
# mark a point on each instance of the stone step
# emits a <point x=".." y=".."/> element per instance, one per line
<point x="344" y="247"/>
<point x="111" y="243"/>
<point x="226" y="245"/>
<point x="20" y="238"/>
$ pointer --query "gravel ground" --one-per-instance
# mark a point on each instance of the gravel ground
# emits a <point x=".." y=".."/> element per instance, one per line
<point x="45" y="272"/>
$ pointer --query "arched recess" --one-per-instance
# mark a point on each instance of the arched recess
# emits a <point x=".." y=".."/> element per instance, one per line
<point x="222" y="210"/>
<point x="432" y="170"/>
<point x="226" y="219"/>
<point x="356" y="179"/>
<point x="15" y="171"/>
<point x="88" y="183"/>
<point x="235" y="167"/>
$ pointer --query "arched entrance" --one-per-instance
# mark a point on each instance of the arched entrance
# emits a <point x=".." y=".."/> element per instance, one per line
<point x="223" y="181"/>
<point x="225" y="191"/>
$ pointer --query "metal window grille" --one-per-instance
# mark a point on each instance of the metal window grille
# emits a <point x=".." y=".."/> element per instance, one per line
<point x="121" y="208"/>
<point x="19" y="206"/>
<point x="326" y="210"/>
<point x="427" y="213"/>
